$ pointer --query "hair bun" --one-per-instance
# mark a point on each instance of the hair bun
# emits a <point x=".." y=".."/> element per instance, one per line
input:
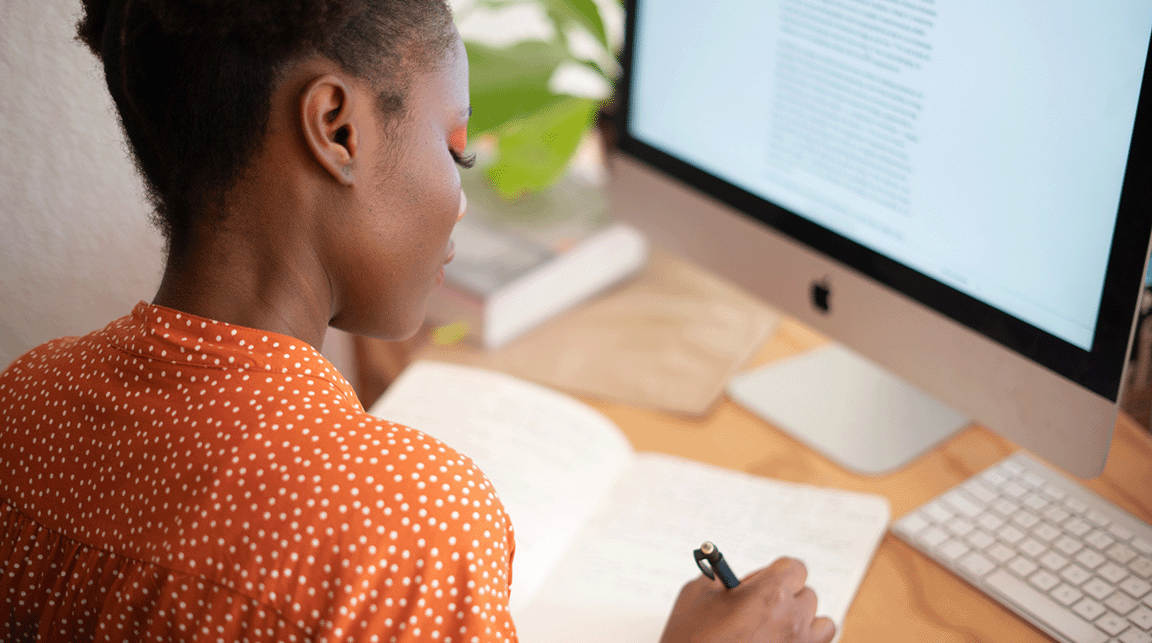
<point x="90" y="29"/>
<point x="265" y="27"/>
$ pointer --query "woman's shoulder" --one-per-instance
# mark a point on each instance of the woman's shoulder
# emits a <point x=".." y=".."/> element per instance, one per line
<point x="343" y="465"/>
<point x="366" y="490"/>
<point x="62" y="358"/>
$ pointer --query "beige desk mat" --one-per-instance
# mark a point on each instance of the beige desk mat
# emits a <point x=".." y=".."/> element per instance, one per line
<point x="669" y="338"/>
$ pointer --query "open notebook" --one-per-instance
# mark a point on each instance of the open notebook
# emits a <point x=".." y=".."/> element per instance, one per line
<point x="604" y="535"/>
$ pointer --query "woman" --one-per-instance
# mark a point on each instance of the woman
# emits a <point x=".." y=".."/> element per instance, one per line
<point x="196" y="470"/>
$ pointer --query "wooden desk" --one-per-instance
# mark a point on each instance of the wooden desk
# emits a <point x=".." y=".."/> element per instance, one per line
<point x="905" y="596"/>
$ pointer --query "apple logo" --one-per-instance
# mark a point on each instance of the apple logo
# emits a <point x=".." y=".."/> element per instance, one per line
<point x="821" y="292"/>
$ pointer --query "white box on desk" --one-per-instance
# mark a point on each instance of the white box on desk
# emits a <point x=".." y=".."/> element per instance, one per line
<point x="523" y="261"/>
<point x="502" y="284"/>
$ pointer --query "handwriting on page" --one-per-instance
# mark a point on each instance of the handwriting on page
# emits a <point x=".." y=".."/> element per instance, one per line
<point x="638" y="550"/>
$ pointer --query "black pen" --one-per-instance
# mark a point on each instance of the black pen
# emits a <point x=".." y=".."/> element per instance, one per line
<point x="711" y="562"/>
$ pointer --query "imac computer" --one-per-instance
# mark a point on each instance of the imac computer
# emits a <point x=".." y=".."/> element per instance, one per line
<point x="957" y="193"/>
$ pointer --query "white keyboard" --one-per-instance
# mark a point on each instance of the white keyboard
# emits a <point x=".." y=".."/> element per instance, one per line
<point x="1062" y="557"/>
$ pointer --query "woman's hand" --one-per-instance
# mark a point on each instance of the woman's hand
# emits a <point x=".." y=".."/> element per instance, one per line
<point x="771" y="605"/>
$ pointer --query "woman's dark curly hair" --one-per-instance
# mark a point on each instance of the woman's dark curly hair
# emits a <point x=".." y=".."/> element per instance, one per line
<point x="192" y="79"/>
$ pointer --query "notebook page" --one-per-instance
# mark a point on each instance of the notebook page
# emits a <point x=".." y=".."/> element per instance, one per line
<point x="550" y="457"/>
<point x="637" y="551"/>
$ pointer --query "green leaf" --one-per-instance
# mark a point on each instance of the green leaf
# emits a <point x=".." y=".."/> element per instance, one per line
<point x="511" y="82"/>
<point x="582" y="12"/>
<point x="533" y="152"/>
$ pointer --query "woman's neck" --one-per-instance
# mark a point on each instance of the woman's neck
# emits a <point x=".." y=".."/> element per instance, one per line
<point x="249" y="280"/>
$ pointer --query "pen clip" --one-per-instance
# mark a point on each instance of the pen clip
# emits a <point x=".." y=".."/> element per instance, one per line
<point x="711" y="562"/>
<point x="704" y="562"/>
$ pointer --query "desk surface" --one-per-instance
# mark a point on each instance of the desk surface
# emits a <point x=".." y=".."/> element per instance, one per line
<point x="904" y="597"/>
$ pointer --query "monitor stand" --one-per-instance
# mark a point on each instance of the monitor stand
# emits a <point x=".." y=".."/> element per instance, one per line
<point x="847" y="408"/>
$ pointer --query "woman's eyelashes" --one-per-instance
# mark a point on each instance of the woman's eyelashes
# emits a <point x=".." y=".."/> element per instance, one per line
<point x="463" y="160"/>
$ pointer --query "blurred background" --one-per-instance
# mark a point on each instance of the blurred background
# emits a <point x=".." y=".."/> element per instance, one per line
<point x="76" y="247"/>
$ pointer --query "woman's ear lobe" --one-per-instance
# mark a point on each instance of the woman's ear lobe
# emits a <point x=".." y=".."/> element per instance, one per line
<point x="328" y="125"/>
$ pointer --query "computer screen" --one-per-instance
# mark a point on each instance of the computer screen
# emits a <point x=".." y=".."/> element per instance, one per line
<point x="970" y="180"/>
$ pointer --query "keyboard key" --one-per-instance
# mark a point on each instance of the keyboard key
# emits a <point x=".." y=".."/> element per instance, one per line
<point x="962" y="503"/>
<point x="1075" y="574"/>
<point x="979" y="539"/>
<point x="1011" y="468"/>
<point x="1120" y="603"/>
<point x="952" y="550"/>
<point x="1120" y="531"/>
<point x="1090" y="559"/>
<point x="1142" y="546"/>
<point x="1032" y="548"/>
<point x="913" y="523"/>
<point x="1046" y="532"/>
<point x="979" y="491"/>
<point x="1121" y="553"/>
<point x="1075" y="505"/>
<point x="1010" y="534"/>
<point x="1035" y="501"/>
<point x="1053" y="561"/>
<point x="938" y="512"/>
<point x="1003" y="553"/>
<point x="1099" y="540"/>
<point x="1142" y="617"/>
<point x="1100" y="519"/>
<point x="1014" y="490"/>
<point x="1043" y="580"/>
<point x="1068" y="545"/>
<point x="959" y="526"/>
<point x="1077" y="527"/>
<point x="1112" y="573"/>
<point x="1112" y="623"/>
<point x="1005" y="507"/>
<point x="1045" y="609"/>
<point x="1026" y="520"/>
<point x="990" y="521"/>
<point x="1089" y="609"/>
<point x="934" y="535"/>
<point x="1055" y="514"/>
<point x="1135" y="636"/>
<point x="1135" y="587"/>
<point x="994" y="477"/>
<point x="1022" y="566"/>
<point x="1033" y="480"/>
<point x="977" y="565"/>
<point x="1097" y="589"/>
<point x="1142" y="567"/>
<point x="1066" y="594"/>
<point x="1054" y="493"/>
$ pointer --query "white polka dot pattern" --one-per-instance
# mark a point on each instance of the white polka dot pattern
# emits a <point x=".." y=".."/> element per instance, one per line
<point x="174" y="478"/>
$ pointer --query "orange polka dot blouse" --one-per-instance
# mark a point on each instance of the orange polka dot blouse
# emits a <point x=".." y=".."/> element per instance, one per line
<point x="173" y="478"/>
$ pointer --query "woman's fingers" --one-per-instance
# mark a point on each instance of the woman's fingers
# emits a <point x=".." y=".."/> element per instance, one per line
<point x="823" y="630"/>
<point x="789" y="573"/>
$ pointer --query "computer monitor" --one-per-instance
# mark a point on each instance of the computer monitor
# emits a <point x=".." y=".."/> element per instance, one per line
<point x="956" y="191"/>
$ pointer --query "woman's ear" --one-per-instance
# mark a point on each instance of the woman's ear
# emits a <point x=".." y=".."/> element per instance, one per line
<point x="330" y="127"/>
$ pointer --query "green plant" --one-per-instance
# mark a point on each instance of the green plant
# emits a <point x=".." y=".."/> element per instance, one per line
<point x="535" y="125"/>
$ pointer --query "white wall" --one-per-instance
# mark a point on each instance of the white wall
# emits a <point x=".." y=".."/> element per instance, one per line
<point x="76" y="248"/>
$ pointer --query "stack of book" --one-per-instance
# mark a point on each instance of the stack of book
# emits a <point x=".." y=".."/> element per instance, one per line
<point x="519" y="263"/>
